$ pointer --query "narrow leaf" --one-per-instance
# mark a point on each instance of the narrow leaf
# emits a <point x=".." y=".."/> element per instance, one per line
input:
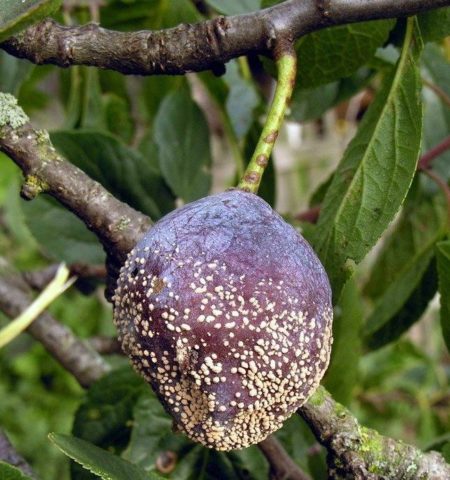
<point x="52" y="291"/>
<point x="376" y="171"/>
<point x="342" y="374"/>
<point x="411" y="311"/>
<point x="399" y="284"/>
<point x="443" y="265"/>
<point x="182" y="136"/>
<point x="100" y="462"/>
<point x="16" y="15"/>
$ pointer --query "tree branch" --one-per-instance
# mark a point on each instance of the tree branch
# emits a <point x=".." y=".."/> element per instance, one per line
<point x="282" y="465"/>
<point x="8" y="454"/>
<point x="73" y="354"/>
<point x="205" y="45"/>
<point x="359" y="453"/>
<point x="116" y="224"/>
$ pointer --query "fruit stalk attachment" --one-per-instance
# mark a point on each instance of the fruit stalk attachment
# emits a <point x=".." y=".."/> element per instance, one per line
<point x="287" y="68"/>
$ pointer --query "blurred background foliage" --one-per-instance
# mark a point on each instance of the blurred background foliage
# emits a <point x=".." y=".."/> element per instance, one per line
<point x="158" y="142"/>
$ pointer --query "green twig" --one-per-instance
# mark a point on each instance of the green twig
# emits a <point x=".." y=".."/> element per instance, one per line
<point x="286" y="65"/>
<point x="53" y="290"/>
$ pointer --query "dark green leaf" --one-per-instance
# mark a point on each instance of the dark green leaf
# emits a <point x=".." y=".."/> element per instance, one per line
<point x="402" y="280"/>
<point x="106" y="414"/>
<point x="61" y="234"/>
<point x="241" y="101"/>
<point x="92" y="110"/>
<point x="13" y="72"/>
<point x="152" y="435"/>
<point x="98" y="461"/>
<point x="375" y="173"/>
<point x="154" y="90"/>
<point x="409" y="312"/>
<point x="182" y="136"/>
<point x="311" y="103"/>
<point x="342" y="374"/>
<point x="446" y="452"/>
<point x="142" y="14"/>
<point x="121" y="170"/>
<point x="443" y="265"/>
<point x="8" y="472"/>
<point x="435" y="24"/>
<point x="234" y="7"/>
<point x="117" y="116"/>
<point x="16" y="15"/>
<point x="333" y="53"/>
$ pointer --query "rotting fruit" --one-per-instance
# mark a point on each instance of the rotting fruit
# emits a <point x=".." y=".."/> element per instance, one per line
<point x="226" y="311"/>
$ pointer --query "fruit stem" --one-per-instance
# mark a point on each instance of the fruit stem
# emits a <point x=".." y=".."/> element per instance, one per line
<point x="287" y="67"/>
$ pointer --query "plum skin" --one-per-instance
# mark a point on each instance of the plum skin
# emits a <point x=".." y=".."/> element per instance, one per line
<point x="225" y="310"/>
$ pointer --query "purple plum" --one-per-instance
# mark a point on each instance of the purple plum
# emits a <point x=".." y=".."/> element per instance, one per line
<point x="226" y="311"/>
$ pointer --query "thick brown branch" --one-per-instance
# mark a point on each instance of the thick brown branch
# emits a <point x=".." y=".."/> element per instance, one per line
<point x="359" y="453"/>
<point x="200" y="46"/>
<point x="8" y="454"/>
<point x="116" y="224"/>
<point x="74" y="355"/>
<point x="282" y="465"/>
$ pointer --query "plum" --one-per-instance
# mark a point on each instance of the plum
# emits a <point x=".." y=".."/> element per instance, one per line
<point x="226" y="311"/>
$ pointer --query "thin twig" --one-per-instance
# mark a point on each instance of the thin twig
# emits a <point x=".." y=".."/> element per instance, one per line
<point x="311" y="215"/>
<point x="206" y="45"/>
<point x="74" y="355"/>
<point x="438" y="91"/>
<point x="106" y="345"/>
<point x="282" y="465"/>
<point x="428" y="157"/>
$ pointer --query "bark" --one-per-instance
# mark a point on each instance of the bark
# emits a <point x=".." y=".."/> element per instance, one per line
<point x="205" y="45"/>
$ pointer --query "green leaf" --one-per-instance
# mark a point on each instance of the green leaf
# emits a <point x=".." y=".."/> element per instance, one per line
<point x="435" y="24"/>
<point x="106" y="414"/>
<point x="446" y="452"/>
<point x="120" y="169"/>
<point x="152" y="435"/>
<point x="311" y="103"/>
<point x="182" y="136"/>
<point x="155" y="88"/>
<point x="100" y="462"/>
<point x="234" y="7"/>
<point x="443" y="266"/>
<point x="60" y="233"/>
<point x="118" y="116"/>
<point x="409" y="312"/>
<point x="16" y="15"/>
<point x="242" y="100"/>
<point x="142" y="14"/>
<point x="337" y="52"/>
<point x="402" y="280"/>
<point x="342" y="374"/>
<point x="375" y="173"/>
<point x="13" y="72"/>
<point x="9" y="472"/>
